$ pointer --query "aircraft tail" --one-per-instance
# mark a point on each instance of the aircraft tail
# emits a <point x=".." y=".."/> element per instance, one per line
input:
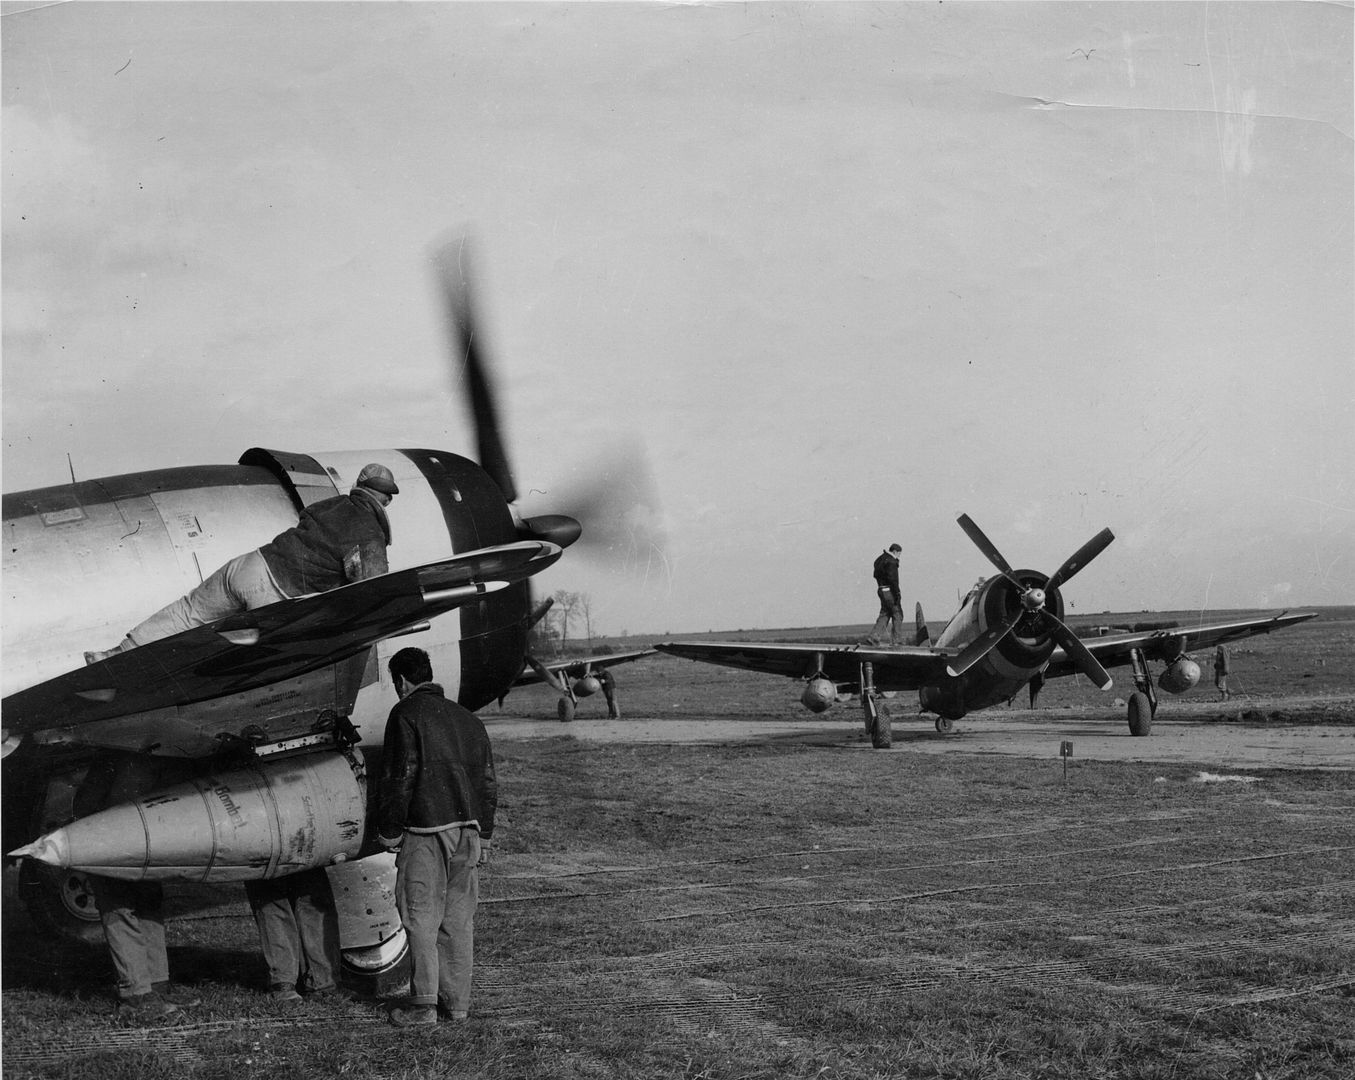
<point x="922" y="636"/>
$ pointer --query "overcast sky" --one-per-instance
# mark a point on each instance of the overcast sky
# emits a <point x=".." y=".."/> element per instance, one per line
<point x="848" y="270"/>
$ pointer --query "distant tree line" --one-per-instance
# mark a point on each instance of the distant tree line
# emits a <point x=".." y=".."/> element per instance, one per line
<point x="571" y="613"/>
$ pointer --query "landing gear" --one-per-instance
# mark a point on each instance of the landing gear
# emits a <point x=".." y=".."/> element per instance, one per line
<point x="565" y="709"/>
<point x="60" y="902"/>
<point x="944" y="725"/>
<point x="876" y="715"/>
<point x="1140" y="714"/>
<point x="1143" y="702"/>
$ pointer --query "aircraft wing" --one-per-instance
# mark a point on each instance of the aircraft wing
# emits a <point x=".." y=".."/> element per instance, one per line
<point x="1113" y="651"/>
<point x="900" y="668"/>
<point x="258" y="648"/>
<point x="579" y="666"/>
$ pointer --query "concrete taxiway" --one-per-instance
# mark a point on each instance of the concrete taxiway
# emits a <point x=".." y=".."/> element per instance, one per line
<point x="1195" y="737"/>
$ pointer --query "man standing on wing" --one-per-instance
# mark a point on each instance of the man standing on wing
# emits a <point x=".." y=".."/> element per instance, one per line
<point x="886" y="573"/>
<point x="437" y="797"/>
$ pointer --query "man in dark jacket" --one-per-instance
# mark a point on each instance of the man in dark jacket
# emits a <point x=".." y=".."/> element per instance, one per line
<point x="335" y="542"/>
<point x="436" y="803"/>
<point x="886" y="571"/>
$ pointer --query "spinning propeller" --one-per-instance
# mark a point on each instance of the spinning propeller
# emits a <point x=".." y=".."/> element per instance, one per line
<point x="613" y="494"/>
<point x="1032" y="605"/>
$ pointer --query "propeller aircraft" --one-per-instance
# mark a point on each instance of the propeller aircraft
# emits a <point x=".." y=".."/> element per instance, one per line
<point x="1008" y="633"/>
<point x="270" y="710"/>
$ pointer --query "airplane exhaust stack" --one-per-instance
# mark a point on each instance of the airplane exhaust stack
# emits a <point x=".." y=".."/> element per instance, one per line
<point x="263" y="820"/>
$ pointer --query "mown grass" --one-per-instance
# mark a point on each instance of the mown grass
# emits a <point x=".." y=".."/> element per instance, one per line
<point x="796" y="911"/>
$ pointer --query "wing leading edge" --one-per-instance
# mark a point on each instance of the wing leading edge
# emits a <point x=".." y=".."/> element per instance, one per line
<point x="1114" y="651"/>
<point x="903" y="668"/>
<point x="578" y="666"/>
<point x="253" y="649"/>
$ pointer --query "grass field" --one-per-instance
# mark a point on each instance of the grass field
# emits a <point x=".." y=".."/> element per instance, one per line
<point x="817" y="912"/>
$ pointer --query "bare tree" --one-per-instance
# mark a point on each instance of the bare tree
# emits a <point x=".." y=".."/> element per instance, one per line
<point x="586" y="610"/>
<point x="565" y="605"/>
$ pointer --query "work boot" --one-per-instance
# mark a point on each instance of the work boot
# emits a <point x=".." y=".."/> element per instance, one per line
<point x="413" y="1015"/>
<point x="283" y="994"/>
<point x="445" y="1012"/>
<point x="147" y="1006"/>
<point x="181" y="997"/>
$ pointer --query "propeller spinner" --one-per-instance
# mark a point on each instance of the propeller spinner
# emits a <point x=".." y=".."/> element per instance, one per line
<point x="1033" y="600"/>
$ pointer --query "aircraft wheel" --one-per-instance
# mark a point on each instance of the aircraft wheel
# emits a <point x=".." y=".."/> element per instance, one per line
<point x="882" y="738"/>
<point x="565" y="710"/>
<point x="1140" y="714"/>
<point x="944" y="725"/>
<point x="60" y="902"/>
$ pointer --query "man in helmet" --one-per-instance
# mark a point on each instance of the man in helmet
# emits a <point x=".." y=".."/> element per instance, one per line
<point x="336" y="541"/>
<point x="886" y="573"/>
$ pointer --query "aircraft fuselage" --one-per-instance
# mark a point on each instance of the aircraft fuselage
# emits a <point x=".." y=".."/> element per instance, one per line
<point x="1011" y="664"/>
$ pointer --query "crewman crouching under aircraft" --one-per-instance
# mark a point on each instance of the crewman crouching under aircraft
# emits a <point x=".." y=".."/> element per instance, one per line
<point x="132" y="912"/>
<point x="337" y="541"/>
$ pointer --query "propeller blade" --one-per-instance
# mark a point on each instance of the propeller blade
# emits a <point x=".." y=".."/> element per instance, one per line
<point x="1078" y="653"/>
<point x="981" y="646"/>
<point x="539" y="612"/>
<point x="988" y="548"/>
<point x="452" y="262"/>
<point x="615" y="500"/>
<point x="1080" y="558"/>
<point x="1036" y="685"/>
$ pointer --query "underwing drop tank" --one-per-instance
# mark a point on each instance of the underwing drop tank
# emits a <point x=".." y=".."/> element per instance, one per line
<point x="819" y="694"/>
<point x="263" y="820"/>
<point x="1180" y="675"/>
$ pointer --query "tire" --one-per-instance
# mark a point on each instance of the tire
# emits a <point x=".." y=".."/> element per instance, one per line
<point x="1140" y="714"/>
<point x="944" y="725"/>
<point x="60" y="902"/>
<point x="565" y="710"/>
<point x="882" y="738"/>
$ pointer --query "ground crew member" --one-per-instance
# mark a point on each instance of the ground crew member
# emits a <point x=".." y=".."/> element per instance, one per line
<point x="436" y="801"/>
<point x="133" y="912"/>
<point x="886" y="572"/>
<point x="299" y="932"/>
<point x="335" y="542"/>
<point x="1221" y="672"/>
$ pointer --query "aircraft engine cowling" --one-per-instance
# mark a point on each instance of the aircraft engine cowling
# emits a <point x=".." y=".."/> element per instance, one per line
<point x="1180" y="675"/>
<point x="587" y="686"/>
<point x="819" y="694"/>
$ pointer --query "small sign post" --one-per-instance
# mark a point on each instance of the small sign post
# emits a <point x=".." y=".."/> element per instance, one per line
<point x="1065" y="752"/>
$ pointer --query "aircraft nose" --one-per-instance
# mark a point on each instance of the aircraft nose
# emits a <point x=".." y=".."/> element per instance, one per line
<point x="1033" y="600"/>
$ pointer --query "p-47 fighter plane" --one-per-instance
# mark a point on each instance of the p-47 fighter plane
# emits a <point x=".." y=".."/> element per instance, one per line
<point x="264" y="711"/>
<point x="1008" y="633"/>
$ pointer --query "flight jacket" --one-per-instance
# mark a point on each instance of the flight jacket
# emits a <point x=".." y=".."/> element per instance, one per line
<point x="887" y="573"/>
<point x="337" y="541"/>
<point x="437" y="768"/>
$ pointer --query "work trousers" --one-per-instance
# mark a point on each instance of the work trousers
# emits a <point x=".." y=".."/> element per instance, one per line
<point x="298" y="929"/>
<point x="891" y="618"/>
<point x="437" y="887"/>
<point x="133" y="917"/>
<point x="242" y="584"/>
